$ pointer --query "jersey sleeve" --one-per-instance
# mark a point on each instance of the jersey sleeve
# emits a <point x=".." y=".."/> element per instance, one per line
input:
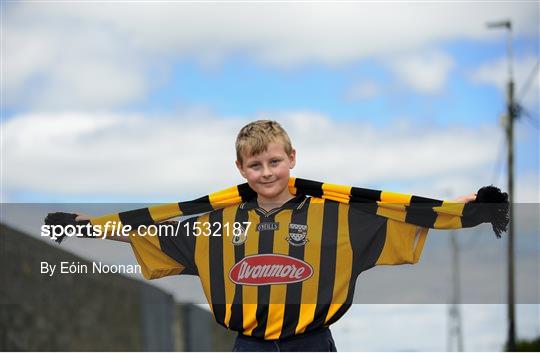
<point x="169" y="252"/>
<point x="403" y="243"/>
<point x="378" y="240"/>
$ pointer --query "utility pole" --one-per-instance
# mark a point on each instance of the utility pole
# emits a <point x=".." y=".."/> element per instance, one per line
<point x="510" y="115"/>
<point x="455" y="335"/>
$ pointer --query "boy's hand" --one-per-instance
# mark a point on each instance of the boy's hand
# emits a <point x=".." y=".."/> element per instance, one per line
<point x="64" y="219"/>
<point x="465" y="198"/>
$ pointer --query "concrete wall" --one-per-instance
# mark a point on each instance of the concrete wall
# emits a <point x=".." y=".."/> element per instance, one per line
<point x="90" y="312"/>
<point x="201" y="332"/>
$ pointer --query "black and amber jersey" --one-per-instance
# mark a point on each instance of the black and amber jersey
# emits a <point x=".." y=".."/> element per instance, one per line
<point x="274" y="274"/>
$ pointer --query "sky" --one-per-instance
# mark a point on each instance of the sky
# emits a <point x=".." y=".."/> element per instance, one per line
<point x="141" y="102"/>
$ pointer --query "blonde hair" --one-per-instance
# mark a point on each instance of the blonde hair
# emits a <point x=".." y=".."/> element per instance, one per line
<point x="255" y="137"/>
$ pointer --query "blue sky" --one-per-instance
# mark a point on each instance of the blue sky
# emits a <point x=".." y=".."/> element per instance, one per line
<point x="241" y="87"/>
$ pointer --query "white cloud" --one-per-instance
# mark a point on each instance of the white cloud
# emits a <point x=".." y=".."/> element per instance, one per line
<point x="95" y="55"/>
<point x="108" y="154"/>
<point x="425" y="73"/>
<point x="496" y="73"/>
<point x="50" y="67"/>
<point x="74" y="153"/>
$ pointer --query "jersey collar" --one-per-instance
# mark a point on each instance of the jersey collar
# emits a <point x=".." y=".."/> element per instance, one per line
<point x="296" y="202"/>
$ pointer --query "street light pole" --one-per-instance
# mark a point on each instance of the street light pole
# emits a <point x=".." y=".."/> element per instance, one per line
<point x="510" y="115"/>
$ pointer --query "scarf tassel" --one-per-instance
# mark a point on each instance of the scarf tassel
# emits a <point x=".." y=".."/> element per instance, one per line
<point x="493" y="208"/>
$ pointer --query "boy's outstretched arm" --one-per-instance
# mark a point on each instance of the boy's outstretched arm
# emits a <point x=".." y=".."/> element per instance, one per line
<point x="465" y="198"/>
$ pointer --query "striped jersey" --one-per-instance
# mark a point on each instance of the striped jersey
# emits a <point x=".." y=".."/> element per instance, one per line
<point x="275" y="274"/>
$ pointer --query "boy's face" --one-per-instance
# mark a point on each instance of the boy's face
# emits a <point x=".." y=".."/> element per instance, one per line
<point x="268" y="173"/>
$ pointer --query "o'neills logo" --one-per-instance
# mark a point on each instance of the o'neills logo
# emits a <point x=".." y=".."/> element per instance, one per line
<point x="258" y="270"/>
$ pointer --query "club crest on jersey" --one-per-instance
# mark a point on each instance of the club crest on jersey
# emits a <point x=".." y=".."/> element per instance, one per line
<point x="297" y="234"/>
<point x="263" y="269"/>
<point x="261" y="227"/>
<point x="239" y="239"/>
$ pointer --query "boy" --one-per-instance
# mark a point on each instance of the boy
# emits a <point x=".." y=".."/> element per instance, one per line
<point x="278" y="268"/>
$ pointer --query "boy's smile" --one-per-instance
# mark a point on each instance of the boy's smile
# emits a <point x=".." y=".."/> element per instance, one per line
<point x="268" y="174"/>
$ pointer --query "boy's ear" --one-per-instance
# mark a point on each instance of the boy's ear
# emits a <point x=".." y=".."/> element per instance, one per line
<point x="239" y="166"/>
<point x="292" y="158"/>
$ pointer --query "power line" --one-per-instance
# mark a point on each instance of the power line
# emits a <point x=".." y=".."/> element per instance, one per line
<point x="531" y="119"/>
<point x="529" y="81"/>
<point x="498" y="163"/>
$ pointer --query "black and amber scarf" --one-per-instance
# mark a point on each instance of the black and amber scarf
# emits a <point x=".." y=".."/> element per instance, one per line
<point x="490" y="206"/>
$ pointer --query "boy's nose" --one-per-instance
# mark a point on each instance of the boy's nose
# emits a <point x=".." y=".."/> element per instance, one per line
<point x="267" y="171"/>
